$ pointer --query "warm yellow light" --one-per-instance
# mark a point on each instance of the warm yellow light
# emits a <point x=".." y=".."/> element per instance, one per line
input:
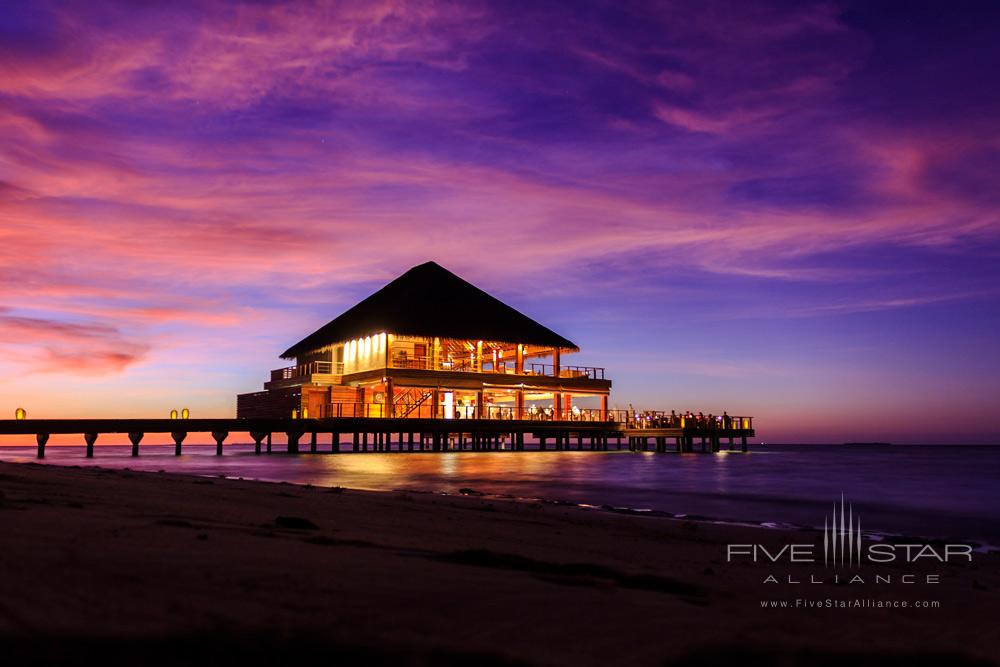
<point x="173" y="414"/>
<point x="295" y="413"/>
<point x="185" y="413"/>
<point x="20" y="414"/>
<point x="305" y="413"/>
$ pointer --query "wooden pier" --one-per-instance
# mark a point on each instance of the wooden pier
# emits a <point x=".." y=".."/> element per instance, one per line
<point x="379" y="434"/>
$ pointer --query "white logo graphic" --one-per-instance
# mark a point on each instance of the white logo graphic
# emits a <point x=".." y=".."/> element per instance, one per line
<point x="842" y="537"/>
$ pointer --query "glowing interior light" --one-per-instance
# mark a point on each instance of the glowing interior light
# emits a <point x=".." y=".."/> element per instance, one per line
<point x="173" y="414"/>
<point x="185" y="413"/>
<point x="20" y="414"/>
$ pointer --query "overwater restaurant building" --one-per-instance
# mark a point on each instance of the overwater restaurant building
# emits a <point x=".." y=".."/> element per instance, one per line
<point x="431" y="345"/>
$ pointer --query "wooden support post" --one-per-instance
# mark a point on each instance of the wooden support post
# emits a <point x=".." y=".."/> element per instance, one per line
<point x="357" y="441"/>
<point x="390" y="398"/>
<point x="178" y="438"/>
<point x="220" y="437"/>
<point x="743" y="443"/>
<point x="541" y="443"/>
<point x="519" y="363"/>
<point x="90" y="439"/>
<point x="41" y="439"/>
<point x="364" y="441"/>
<point x="335" y="442"/>
<point x="312" y="443"/>
<point x="268" y="443"/>
<point x="678" y="439"/>
<point x="579" y="441"/>
<point x="293" y="441"/>
<point x="135" y="438"/>
<point x="556" y="362"/>
<point x="409" y="441"/>
<point x="257" y="437"/>
<point x="557" y="407"/>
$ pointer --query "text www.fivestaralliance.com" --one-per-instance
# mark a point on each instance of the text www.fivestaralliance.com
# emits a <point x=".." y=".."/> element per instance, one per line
<point x="852" y="603"/>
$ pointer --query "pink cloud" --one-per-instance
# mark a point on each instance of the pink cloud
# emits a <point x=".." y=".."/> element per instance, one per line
<point x="59" y="346"/>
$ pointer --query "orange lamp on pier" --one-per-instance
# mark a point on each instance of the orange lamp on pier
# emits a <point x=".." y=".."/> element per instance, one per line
<point x="20" y="414"/>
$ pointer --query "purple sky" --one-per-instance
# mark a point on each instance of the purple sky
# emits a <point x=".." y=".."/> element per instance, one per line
<point x="782" y="209"/>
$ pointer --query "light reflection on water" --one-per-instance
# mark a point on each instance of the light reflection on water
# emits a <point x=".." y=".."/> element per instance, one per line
<point x="948" y="491"/>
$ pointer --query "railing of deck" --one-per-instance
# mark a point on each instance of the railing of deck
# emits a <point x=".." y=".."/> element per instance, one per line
<point x="305" y="370"/>
<point x="626" y="418"/>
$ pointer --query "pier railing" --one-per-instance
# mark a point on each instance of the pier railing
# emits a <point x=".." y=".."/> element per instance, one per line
<point x="631" y="419"/>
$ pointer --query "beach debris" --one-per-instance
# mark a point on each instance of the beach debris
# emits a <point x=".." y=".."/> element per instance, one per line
<point x="466" y="491"/>
<point x="295" y="523"/>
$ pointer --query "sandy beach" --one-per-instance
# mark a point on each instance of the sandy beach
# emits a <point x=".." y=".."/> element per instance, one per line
<point x="155" y="568"/>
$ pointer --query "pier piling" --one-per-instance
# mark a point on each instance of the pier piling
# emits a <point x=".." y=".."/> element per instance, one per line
<point x="90" y="439"/>
<point x="178" y="437"/>
<point x="257" y="437"/>
<point x="41" y="439"/>
<point x="135" y="438"/>
<point x="219" y="437"/>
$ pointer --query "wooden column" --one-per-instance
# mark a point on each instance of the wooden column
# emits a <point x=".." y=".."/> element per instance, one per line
<point x="436" y="354"/>
<point x="335" y="442"/>
<point x="293" y="441"/>
<point x="268" y="443"/>
<point x="312" y="443"/>
<point x="556" y="362"/>
<point x="479" y="404"/>
<point x="604" y="408"/>
<point x="557" y="406"/>
<point x="257" y="437"/>
<point x="390" y="398"/>
<point x="519" y="404"/>
<point x="41" y="439"/>
<point x="519" y="360"/>
<point x="479" y="356"/>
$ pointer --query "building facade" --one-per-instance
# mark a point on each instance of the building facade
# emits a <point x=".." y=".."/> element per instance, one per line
<point x="431" y="345"/>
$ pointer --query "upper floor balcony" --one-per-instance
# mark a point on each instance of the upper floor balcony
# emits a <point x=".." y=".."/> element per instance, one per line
<point x="332" y="372"/>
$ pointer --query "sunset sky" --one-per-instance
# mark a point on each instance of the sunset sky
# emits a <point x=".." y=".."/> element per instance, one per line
<point x="788" y="209"/>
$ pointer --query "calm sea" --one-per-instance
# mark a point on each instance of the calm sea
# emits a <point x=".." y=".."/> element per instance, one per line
<point x="942" y="491"/>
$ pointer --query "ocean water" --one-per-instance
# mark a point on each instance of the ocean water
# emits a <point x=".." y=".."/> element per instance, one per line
<point x="947" y="491"/>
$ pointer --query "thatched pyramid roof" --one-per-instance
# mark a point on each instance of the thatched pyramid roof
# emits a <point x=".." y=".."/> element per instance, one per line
<point x="429" y="300"/>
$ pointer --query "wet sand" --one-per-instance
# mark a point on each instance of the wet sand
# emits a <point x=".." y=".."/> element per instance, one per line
<point x="155" y="568"/>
